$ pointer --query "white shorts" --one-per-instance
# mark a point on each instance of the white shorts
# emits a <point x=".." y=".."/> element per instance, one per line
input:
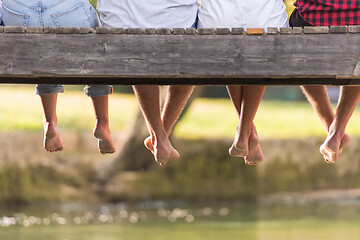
<point x="242" y="13"/>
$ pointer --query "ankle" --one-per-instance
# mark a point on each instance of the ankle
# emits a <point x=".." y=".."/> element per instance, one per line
<point x="50" y="124"/>
<point x="335" y="132"/>
<point x="102" y="123"/>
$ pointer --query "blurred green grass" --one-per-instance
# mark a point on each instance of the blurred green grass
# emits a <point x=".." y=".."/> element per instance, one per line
<point x="207" y="118"/>
<point x="22" y="110"/>
<point x="210" y="118"/>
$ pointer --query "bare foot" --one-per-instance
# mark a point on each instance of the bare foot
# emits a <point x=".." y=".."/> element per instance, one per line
<point x="255" y="154"/>
<point x="240" y="146"/>
<point x="148" y="144"/>
<point x="163" y="151"/>
<point x="234" y="152"/>
<point x="344" y="142"/>
<point x="331" y="148"/>
<point x="102" y="132"/>
<point x="52" y="139"/>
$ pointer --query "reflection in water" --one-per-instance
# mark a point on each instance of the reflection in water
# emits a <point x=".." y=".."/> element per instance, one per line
<point x="78" y="214"/>
<point x="160" y="220"/>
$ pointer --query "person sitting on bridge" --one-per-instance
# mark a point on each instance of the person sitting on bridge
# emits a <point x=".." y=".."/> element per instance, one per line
<point x="330" y="13"/>
<point x="154" y="14"/>
<point x="66" y="13"/>
<point x="246" y="99"/>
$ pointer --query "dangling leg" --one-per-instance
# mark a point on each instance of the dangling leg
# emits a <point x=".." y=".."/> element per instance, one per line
<point x="247" y="137"/>
<point x="318" y="98"/>
<point x="149" y="99"/>
<point x="174" y="104"/>
<point x="246" y="100"/>
<point x="102" y="128"/>
<point x="235" y="93"/>
<point x="349" y="98"/>
<point x="52" y="139"/>
<point x="100" y="98"/>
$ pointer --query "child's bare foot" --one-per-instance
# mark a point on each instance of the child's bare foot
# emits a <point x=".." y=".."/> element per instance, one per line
<point x="102" y="132"/>
<point x="255" y="154"/>
<point x="163" y="151"/>
<point x="52" y="139"/>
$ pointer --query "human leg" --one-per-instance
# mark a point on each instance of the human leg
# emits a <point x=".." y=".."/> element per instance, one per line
<point x="235" y="93"/>
<point x="246" y="100"/>
<point x="100" y="98"/>
<point x="175" y="101"/>
<point x="102" y="127"/>
<point x="174" y="104"/>
<point x="318" y="98"/>
<point x="149" y="100"/>
<point x="52" y="139"/>
<point x="48" y="94"/>
<point x="247" y="138"/>
<point x="349" y="98"/>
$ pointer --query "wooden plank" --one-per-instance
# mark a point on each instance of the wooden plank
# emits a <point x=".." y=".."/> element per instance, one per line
<point x="136" y="58"/>
<point x="357" y="69"/>
<point x="255" y="31"/>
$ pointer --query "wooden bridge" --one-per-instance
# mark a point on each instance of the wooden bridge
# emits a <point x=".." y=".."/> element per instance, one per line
<point x="288" y="56"/>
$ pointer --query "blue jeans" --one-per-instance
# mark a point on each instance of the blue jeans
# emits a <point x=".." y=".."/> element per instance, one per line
<point x="0" y="13"/>
<point x="54" y="13"/>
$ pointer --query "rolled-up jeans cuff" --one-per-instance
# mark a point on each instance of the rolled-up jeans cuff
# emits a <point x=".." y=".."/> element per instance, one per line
<point x="46" y="89"/>
<point x="97" y="90"/>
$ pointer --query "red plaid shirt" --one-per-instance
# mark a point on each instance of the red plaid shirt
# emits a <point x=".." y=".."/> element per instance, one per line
<point x="329" y="12"/>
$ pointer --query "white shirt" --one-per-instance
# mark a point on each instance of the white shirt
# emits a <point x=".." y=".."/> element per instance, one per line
<point x="242" y="13"/>
<point x="147" y="13"/>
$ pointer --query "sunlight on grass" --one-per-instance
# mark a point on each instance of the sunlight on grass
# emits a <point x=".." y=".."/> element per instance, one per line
<point x="22" y="110"/>
<point x="207" y="118"/>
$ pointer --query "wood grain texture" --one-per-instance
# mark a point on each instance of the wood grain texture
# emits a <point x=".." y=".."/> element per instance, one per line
<point x="180" y="59"/>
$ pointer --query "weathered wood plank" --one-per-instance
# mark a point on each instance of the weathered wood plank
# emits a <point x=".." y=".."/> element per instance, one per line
<point x="357" y="69"/>
<point x="180" y="59"/>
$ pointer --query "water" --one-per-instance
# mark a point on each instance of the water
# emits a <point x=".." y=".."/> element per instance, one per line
<point x="160" y="220"/>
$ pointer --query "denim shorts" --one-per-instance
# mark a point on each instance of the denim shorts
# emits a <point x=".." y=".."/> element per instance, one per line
<point x="53" y="13"/>
<point x="0" y="13"/>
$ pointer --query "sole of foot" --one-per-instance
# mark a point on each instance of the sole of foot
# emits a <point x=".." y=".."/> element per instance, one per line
<point x="105" y="143"/>
<point x="52" y="139"/>
<point x="255" y="154"/>
<point x="161" y="156"/>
